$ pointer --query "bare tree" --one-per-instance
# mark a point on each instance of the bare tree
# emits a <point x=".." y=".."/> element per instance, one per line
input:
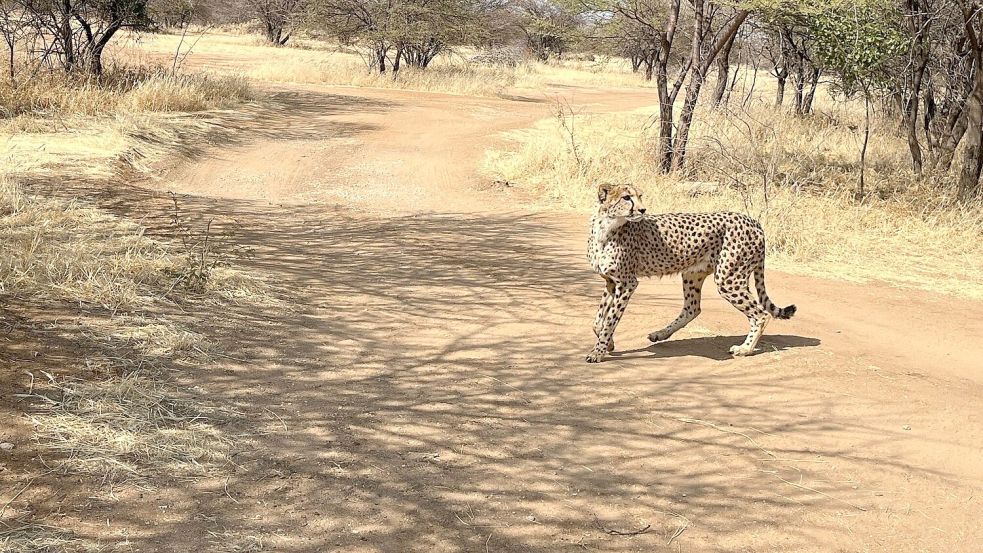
<point x="12" y="26"/>
<point x="708" y="41"/>
<point x="277" y="17"/>
<point x="76" y="32"/>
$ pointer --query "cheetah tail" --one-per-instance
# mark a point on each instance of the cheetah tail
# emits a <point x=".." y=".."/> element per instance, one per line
<point x="766" y="304"/>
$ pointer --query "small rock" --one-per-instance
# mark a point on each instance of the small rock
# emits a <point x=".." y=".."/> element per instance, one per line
<point x="906" y="427"/>
<point x="7" y="446"/>
<point x="531" y="518"/>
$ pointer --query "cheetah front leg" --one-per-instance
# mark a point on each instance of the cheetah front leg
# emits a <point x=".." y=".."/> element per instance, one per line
<point x="619" y="301"/>
<point x="606" y="300"/>
<point x="692" y="293"/>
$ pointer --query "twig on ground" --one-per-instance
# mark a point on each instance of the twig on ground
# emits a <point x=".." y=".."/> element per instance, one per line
<point x="722" y="429"/>
<point x="680" y="529"/>
<point x="826" y="495"/>
<point x="234" y="500"/>
<point x="614" y="532"/>
<point x="22" y="490"/>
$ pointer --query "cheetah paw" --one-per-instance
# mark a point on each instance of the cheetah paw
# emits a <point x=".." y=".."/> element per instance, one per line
<point x="595" y="355"/>
<point x="741" y="350"/>
<point x="659" y="336"/>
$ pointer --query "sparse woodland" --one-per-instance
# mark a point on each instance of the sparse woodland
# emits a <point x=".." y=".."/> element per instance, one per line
<point x="853" y="130"/>
<point x="913" y="64"/>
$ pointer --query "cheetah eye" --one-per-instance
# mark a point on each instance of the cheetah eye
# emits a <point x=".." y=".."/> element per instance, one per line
<point x="627" y="198"/>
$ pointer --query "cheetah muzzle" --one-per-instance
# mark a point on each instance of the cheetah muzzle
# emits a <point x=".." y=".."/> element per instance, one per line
<point x="626" y="244"/>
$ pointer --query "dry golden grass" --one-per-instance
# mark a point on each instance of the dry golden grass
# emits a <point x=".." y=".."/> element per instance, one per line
<point x="905" y="232"/>
<point x="20" y="536"/>
<point x="129" y="427"/>
<point x="317" y="62"/>
<point x="55" y="253"/>
<point x="348" y="70"/>
<point x="69" y="252"/>
<point x="59" y="255"/>
<point x="119" y="90"/>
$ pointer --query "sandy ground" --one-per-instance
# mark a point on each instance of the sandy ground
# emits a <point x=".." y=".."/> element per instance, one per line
<point x="423" y="387"/>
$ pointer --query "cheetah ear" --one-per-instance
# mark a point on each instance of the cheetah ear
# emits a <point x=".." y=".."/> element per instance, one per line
<point x="602" y="192"/>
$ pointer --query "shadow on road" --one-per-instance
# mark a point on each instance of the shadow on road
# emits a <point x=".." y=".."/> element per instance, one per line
<point x="716" y="347"/>
<point x="421" y="388"/>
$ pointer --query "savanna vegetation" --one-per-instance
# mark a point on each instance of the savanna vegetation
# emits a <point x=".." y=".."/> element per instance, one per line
<point x="852" y="130"/>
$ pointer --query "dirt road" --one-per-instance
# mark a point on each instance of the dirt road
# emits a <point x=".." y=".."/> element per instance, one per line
<point x="423" y="388"/>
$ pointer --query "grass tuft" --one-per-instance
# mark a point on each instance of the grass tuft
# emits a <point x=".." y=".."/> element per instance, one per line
<point x="18" y="536"/>
<point x="121" y="426"/>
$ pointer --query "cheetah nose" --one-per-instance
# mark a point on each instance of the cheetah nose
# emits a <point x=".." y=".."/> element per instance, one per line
<point x="641" y="210"/>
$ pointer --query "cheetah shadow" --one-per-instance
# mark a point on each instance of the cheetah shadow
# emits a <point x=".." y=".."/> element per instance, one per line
<point x="714" y="347"/>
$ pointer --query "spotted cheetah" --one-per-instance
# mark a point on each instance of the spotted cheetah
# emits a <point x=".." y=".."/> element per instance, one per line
<point x="625" y="244"/>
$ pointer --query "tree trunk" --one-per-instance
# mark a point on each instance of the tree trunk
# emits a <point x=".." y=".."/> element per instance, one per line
<point x="380" y="56"/>
<point x="68" y="43"/>
<point x="10" y="58"/>
<point x="972" y="157"/>
<point x="723" y="72"/>
<point x="798" y="81"/>
<point x="811" y="93"/>
<point x="665" y="118"/>
<point x="95" y="57"/>
<point x="400" y="52"/>
<point x="686" y="119"/>
<point x="780" y="93"/>
<point x="863" y="151"/>
<point x="911" y="116"/>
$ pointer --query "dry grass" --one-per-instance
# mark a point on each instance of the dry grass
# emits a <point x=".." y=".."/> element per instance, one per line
<point x="18" y="536"/>
<point x="318" y="62"/>
<point x="119" y="90"/>
<point x="54" y="254"/>
<point x="129" y="427"/>
<point x="65" y="251"/>
<point x="63" y="257"/>
<point x="108" y="409"/>
<point x="906" y="232"/>
<point x="348" y="70"/>
<point x="601" y="72"/>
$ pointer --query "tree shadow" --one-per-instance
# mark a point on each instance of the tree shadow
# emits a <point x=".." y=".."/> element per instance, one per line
<point x="420" y="387"/>
<point x="282" y="115"/>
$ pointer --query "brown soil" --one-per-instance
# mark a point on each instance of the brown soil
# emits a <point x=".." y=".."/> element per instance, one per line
<point x="423" y="388"/>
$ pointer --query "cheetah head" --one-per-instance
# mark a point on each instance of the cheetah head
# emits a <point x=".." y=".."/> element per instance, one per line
<point x="622" y="202"/>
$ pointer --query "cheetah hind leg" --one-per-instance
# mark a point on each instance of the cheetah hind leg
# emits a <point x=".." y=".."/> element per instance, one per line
<point x="692" y="294"/>
<point x="738" y="293"/>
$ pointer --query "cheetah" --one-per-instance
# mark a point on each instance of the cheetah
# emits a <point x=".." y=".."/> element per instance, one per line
<point x="625" y="244"/>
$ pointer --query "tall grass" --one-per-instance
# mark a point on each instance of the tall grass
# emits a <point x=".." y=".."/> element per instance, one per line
<point x="119" y="90"/>
<point x="797" y="175"/>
